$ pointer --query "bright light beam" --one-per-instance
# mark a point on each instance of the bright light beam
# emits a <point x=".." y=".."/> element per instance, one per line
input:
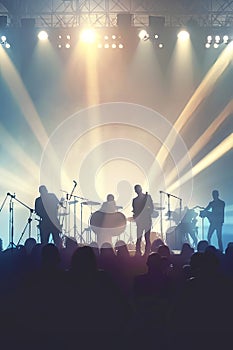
<point x="22" y="97"/>
<point x="203" y="90"/>
<point x="225" y="146"/>
<point x="18" y="153"/>
<point x="202" y="141"/>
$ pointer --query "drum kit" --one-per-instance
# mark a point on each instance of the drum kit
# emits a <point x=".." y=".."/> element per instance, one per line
<point x="104" y="226"/>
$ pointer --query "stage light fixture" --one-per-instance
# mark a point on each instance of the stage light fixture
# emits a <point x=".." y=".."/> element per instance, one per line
<point x="4" y="42"/>
<point x="106" y="46"/>
<point x="143" y="35"/>
<point x="225" y="39"/>
<point x="207" y="45"/>
<point x="114" y="46"/>
<point x="217" y="39"/>
<point x="156" y="36"/>
<point x="68" y="37"/>
<point x="183" y="35"/>
<point x="161" y="45"/>
<point x="209" y="39"/>
<point x="106" y="37"/>
<point x="216" y="45"/>
<point x="43" y="35"/>
<point x="3" y="39"/>
<point x="88" y="36"/>
<point x="68" y="45"/>
<point x="114" y="37"/>
<point x="121" y="46"/>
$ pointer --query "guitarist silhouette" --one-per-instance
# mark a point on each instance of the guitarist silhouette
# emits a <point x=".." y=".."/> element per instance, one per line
<point x="215" y="214"/>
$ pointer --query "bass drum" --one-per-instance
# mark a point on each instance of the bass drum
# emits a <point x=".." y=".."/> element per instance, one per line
<point x="174" y="238"/>
<point x="107" y="225"/>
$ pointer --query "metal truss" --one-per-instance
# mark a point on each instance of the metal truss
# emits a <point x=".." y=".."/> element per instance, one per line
<point x="103" y="13"/>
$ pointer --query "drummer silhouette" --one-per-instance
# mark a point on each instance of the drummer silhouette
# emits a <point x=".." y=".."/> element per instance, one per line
<point x="107" y="221"/>
<point x="110" y="205"/>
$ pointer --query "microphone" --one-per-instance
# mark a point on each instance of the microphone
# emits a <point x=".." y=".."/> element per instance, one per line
<point x="75" y="182"/>
<point x="12" y="195"/>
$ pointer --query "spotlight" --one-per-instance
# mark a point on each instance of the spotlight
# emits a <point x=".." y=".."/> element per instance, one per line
<point x="114" y="37"/>
<point x="106" y="46"/>
<point x="143" y="35"/>
<point x="207" y="45"/>
<point x="161" y="45"/>
<point x="106" y="37"/>
<point x="183" y="35"/>
<point x="4" y="42"/>
<point x="3" y="39"/>
<point x="43" y="35"/>
<point x="217" y="39"/>
<point x="209" y="39"/>
<point x="121" y="46"/>
<point x="156" y="36"/>
<point x="88" y="36"/>
<point x="67" y="45"/>
<point x="225" y="39"/>
<point x="68" y="37"/>
<point x="216" y="45"/>
<point x="114" y="46"/>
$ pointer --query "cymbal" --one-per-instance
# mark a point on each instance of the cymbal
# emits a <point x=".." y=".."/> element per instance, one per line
<point x="73" y="202"/>
<point x="90" y="203"/>
<point x="159" y="208"/>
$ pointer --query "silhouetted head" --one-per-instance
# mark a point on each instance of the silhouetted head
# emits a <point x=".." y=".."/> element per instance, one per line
<point x="156" y="244"/>
<point x="43" y="190"/>
<point x="50" y="255"/>
<point x="121" y="248"/>
<point x="29" y="244"/>
<point x="215" y="194"/>
<point x="110" y="197"/>
<point x="153" y="262"/>
<point x="83" y="261"/>
<point x="138" y="189"/>
<point x="202" y="245"/>
<point x="164" y="250"/>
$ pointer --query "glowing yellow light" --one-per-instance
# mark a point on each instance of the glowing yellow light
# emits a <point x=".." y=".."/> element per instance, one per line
<point x="143" y="35"/>
<point x="183" y="35"/>
<point x="88" y="36"/>
<point x="43" y="35"/>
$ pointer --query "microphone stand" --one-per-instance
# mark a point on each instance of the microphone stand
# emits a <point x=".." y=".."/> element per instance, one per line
<point x="169" y="195"/>
<point x="11" y="222"/>
<point x="28" y="222"/>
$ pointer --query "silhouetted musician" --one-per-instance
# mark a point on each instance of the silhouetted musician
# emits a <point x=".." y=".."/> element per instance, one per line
<point x="215" y="213"/>
<point x="142" y="210"/>
<point x="46" y="207"/>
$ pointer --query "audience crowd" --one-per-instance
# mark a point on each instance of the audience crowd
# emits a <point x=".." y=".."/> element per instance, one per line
<point x="83" y="294"/>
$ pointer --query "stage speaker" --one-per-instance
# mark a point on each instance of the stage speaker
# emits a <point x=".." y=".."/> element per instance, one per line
<point x="157" y="22"/>
<point x="3" y="22"/>
<point x="28" y="22"/>
<point x="124" y="20"/>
